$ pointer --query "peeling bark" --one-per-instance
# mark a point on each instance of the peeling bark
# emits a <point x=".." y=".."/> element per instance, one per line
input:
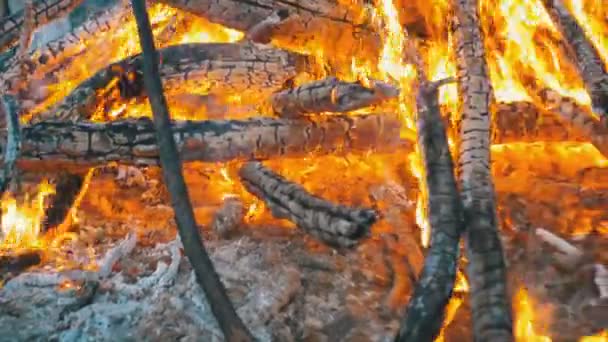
<point x="490" y="302"/>
<point x="330" y="95"/>
<point x="588" y="61"/>
<point x="425" y="311"/>
<point x="226" y="68"/>
<point x="44" y="11"/>
<point x="578" y="118"/>
<point x="334" y="224"/>
<point x="78" y="145"/>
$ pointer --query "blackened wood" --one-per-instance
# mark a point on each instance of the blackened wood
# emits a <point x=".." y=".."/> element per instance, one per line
<point x="13" y="140"/>
<point x="68" y="186"/>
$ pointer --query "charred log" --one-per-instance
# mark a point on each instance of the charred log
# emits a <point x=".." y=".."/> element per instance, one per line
<point x="334" y="224"/>
<point x="68" y="187"/>
<point x="242" y="68"/>
<point x="330" y="95"/>
<point x="581" y="120"/>
<point x="13" y="141"/>
<point x="232" y="326"/>
<point x="133" y="142"/>
<point x="425" y="311"/>
<point x="43" y="12"/>
<point x="588" y="61"/>
<point x="13" y="264"/>
<point x="490" y="303"/>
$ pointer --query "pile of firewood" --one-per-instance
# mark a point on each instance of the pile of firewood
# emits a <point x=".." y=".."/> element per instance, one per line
<point x="310" y="118"/>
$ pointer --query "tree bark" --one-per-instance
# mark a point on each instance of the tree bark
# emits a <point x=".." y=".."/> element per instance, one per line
<point x="77" y="145"/>
<point x="425" y="311"/>
<point x="586" y="57"/>
<point x="224" y="68"/>
<point x="12" y="146"/>
<point x="233" y="328"/>
<point x="490" y="302"/>
<point x="334" y="224"/>
<point x="44" y="12"/>
<point x="330" y="95"/>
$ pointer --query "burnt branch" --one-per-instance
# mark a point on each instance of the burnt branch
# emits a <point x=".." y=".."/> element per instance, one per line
<point x="334" y="224"/>
<point x="330" y="95"/>
<point x="586" y="57"/>
<point x="68" y="187"/>
<point x="426" y="309"/>
<point x="43" y="12"/>
<point x="76" y="145"/>
<point x="215" y="292"/>
<point x="487" y="274"/>
<point x="263" y="31"/>
<point x="13" y="141"/>
<point x="223" y="68"/>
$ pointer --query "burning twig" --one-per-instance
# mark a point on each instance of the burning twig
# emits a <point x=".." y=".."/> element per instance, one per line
<point x="44" y="11"/>
<point x="578" y="117"/>
<point x="590" y="65"/>
<point x="333" y="224"/>
<point x="330" y="95"/>
<point x="13" y="141"/>
<point x="230" y="323"/>
<point x="226" y="68"/>
<point x="123" y="248"/>
<point x="490" y="304"/>
<point x="424" y="316"/>
<point x="79" y="145"/>
<point x="570" y="256"/>
<point x="263" y="31"/>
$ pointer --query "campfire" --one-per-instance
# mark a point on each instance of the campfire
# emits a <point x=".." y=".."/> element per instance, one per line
<point x="334" y="152"/>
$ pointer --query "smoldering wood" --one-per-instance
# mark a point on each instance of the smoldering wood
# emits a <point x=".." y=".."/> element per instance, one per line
<point x="15" y="263"/>
<point x="263" y="31"/>
<point x="586" y="57"/>
<point x="231" y="324"/>
<point x="578" y="117"/>
<point x="330" y="95"/>
<point x="13" y="140"/>
<point x="487" y="274"/>
<point x="229" y="217"/>
<point x="226" y="68"/>
<point x="44" y="11"/>
<point x="334" y="224"/>
<point x="78" y="145"/>
<point x="68" y="187"/>
<point x="424" y="315"/>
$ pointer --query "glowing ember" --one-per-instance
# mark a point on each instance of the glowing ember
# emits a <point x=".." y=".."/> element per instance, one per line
<point x="22" y="222"/>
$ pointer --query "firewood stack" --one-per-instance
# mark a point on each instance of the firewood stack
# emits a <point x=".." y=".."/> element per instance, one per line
<point x="305" y="112"/>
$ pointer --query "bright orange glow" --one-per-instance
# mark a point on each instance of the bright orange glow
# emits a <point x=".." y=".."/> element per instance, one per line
<point x="524" y="323"/>
<point x="22" y="222"/>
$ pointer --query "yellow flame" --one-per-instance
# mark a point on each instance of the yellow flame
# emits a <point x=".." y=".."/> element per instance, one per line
<point x="524" y="324"/>
<point x="22" y="222"/>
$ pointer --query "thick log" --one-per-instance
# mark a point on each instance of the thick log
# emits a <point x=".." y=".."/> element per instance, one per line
<point x="334" y="224"/>
<point x="588" y="61"/>
<point x="338" y="29"/>
<point x="44" y="11"/>
<point x="581" y="120"/>
<point x="225" y="68"/>
<point x="78" y="145"/>
<point x="490" y="303"/>
<point x="68" y="187"/>
<point x="425" y="311"/>
<point x="330" y="95"/>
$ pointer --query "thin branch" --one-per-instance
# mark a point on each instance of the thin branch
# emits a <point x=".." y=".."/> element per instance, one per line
<point x="231" y="325"/>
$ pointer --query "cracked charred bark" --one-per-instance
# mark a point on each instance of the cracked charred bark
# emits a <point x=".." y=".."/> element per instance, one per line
<point x="588" y="61"/>
<point x="330" y="95"/>
<point x="233" y="328"/>
<point x="425" y="311"/>
<point x="486" y="271"/>
<point x="334" y="224"/>
<point x="43" y="12"/>
<point x="227" y="68"/>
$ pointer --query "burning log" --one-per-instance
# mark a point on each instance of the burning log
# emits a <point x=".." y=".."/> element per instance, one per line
<point x="69" y="186"/>
<point x="241" y="68"/>
<point x="490" y="304"/>
<point x="13" y="141"/>
<point x="424" y="315"/>
<point x="232" y="326"/>
<point x="44" y="11"/>
<point x="133" y="142"/>
<point x="336" y="225"/>
<point x="263" y="31"/>
<point x="578" y="117"/>
<point x="338" y="29"/>
<point x="587" y="58"/>
<point x="330" y="95"/>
